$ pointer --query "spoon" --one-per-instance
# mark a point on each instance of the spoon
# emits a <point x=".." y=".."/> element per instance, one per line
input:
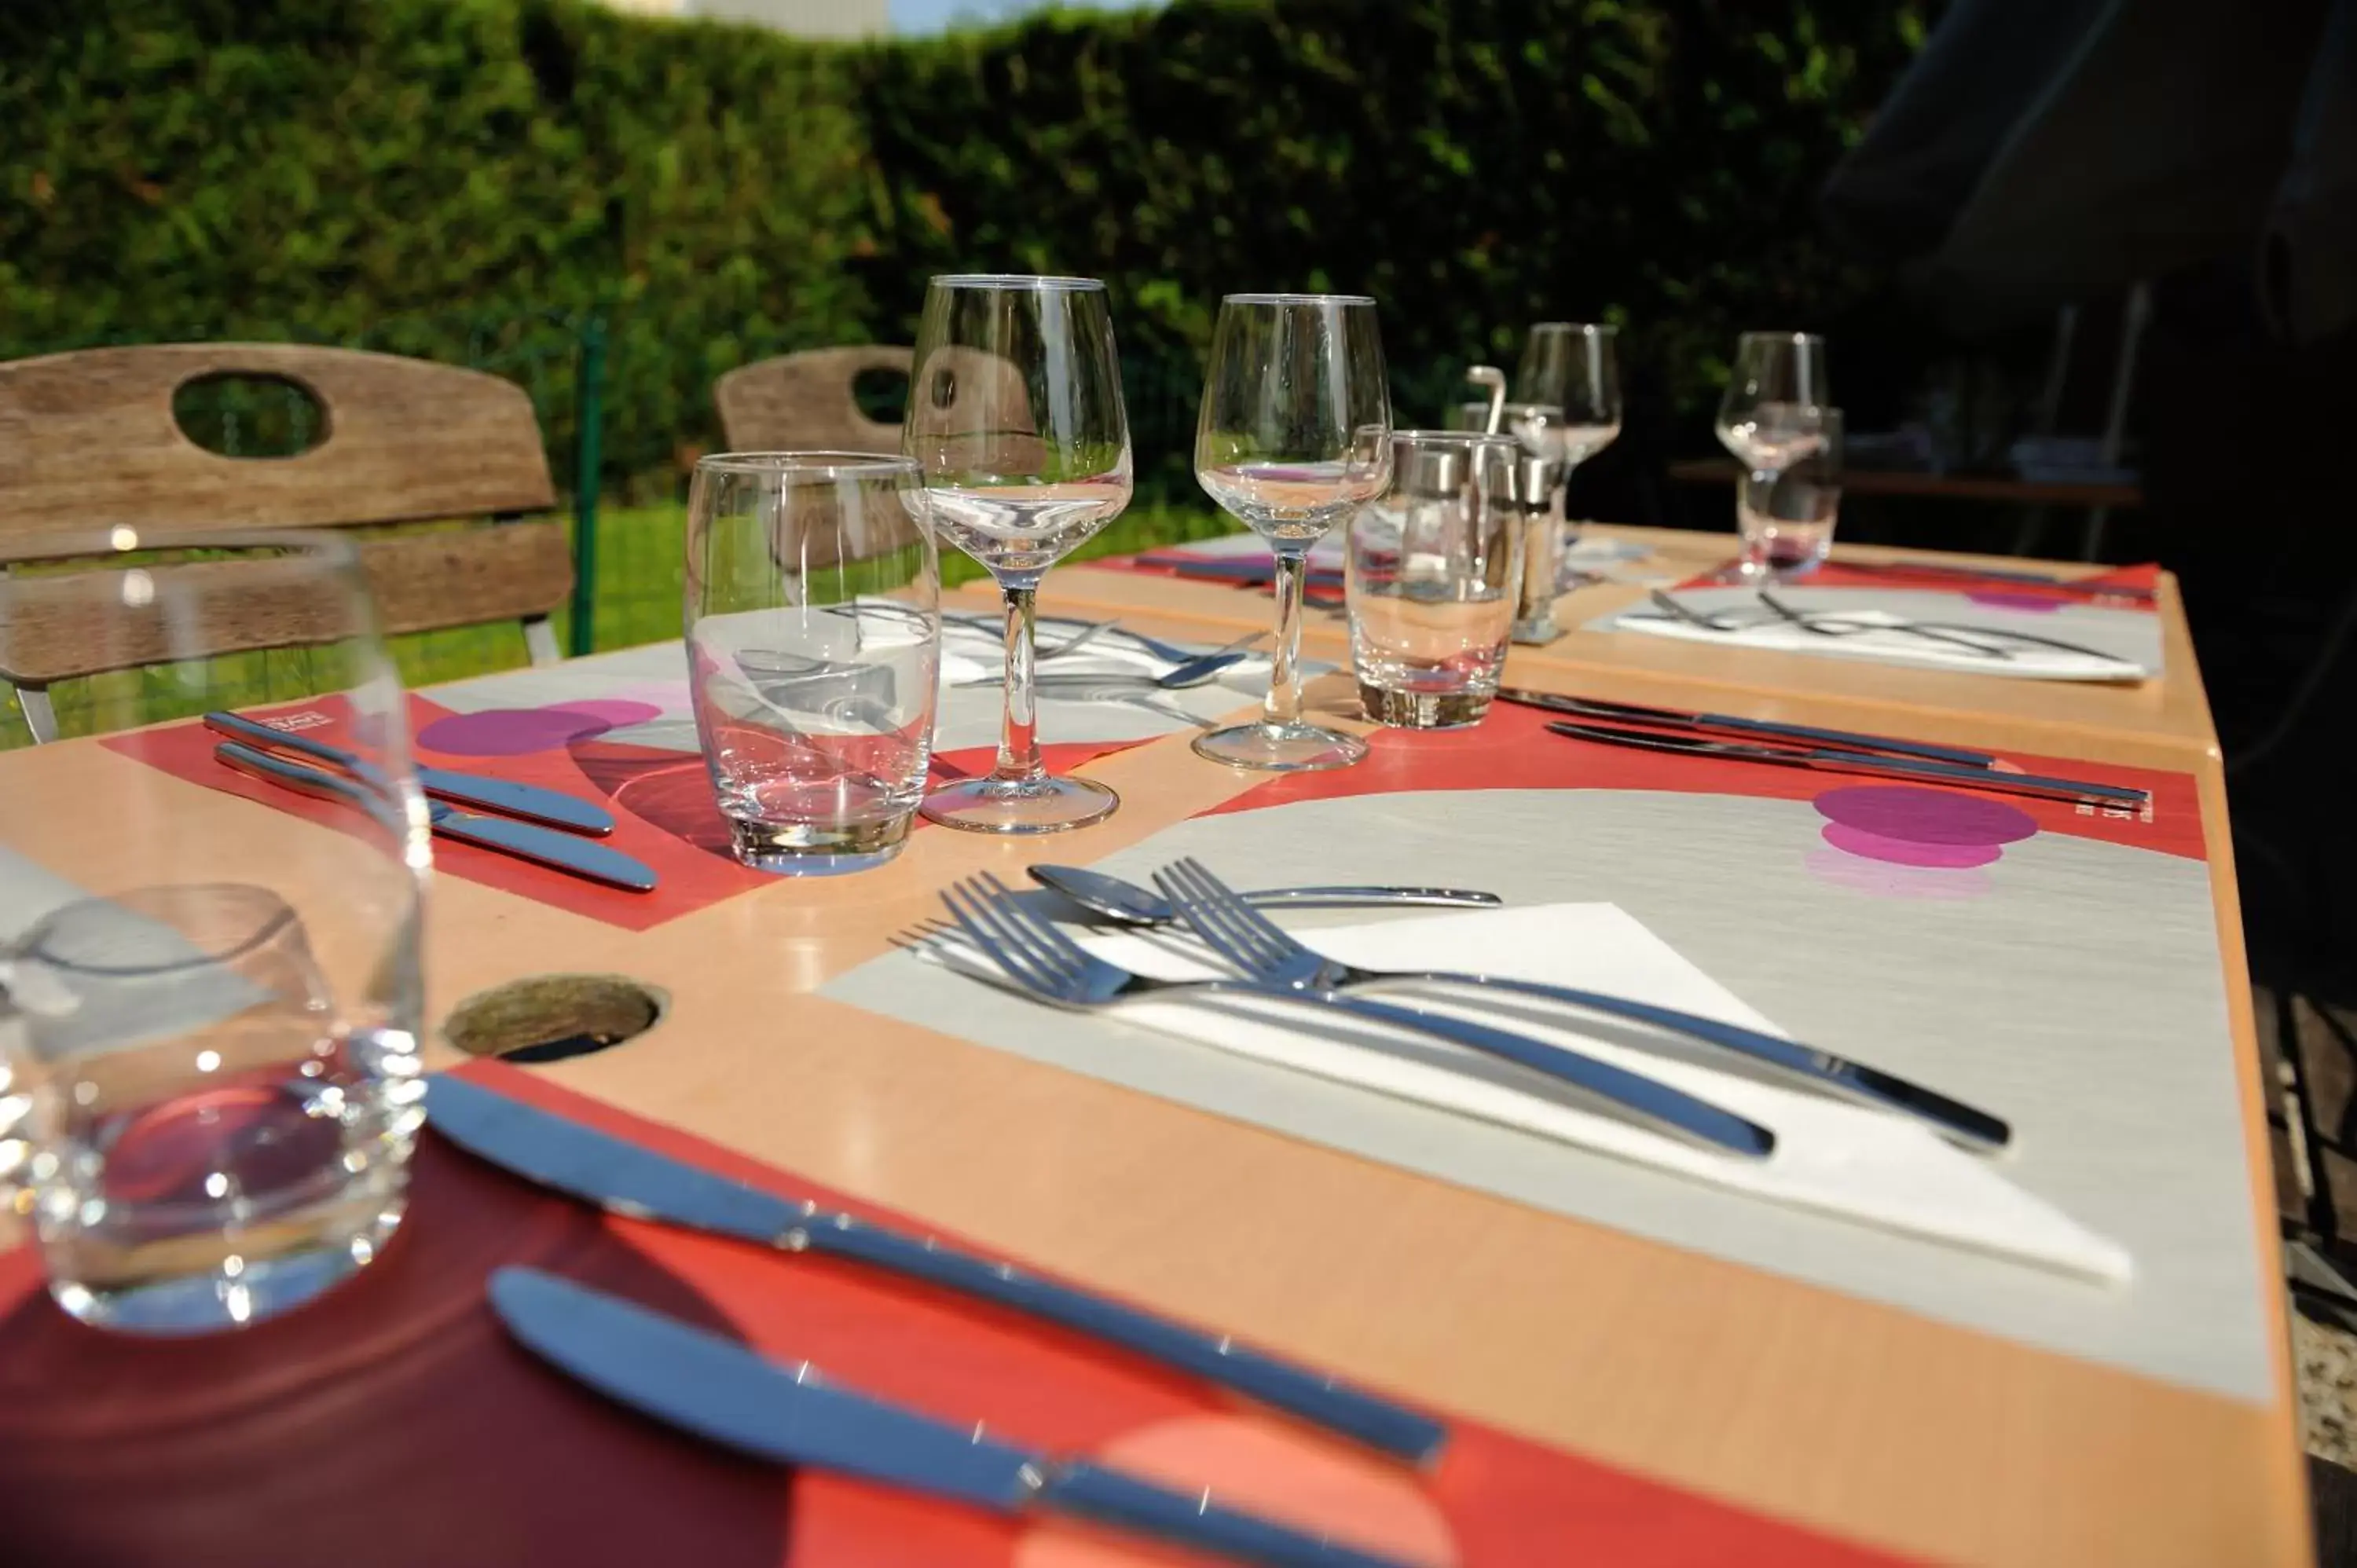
<point x="1128" y="904"/>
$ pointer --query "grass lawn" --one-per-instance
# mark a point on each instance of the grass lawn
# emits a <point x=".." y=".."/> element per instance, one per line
<point x="640" y="553"/>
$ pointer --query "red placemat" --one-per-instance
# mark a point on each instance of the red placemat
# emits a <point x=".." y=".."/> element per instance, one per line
<point x="393" y="1422"/>
<point x="1511" y="749"/>
<point x="662" y="803"/>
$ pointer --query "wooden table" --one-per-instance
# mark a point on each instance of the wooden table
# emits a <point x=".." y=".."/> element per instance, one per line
<point x="2143" y="723"/>
<point x="1882" y="1426"/>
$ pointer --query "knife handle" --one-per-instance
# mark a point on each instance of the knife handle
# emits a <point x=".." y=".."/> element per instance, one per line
<point x="1312" y="1396"/>
<point x="1108" y="1497"/>
<point x="1986" y="779"/>
<point x="239" y="727"/>
<point x="1850" y="739"/>
<point x="293" y="775"/>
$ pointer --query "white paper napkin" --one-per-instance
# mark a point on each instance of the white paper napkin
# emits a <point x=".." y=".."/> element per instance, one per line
<point x="2125" y="644"/>
<point x="1831" y="1155"/>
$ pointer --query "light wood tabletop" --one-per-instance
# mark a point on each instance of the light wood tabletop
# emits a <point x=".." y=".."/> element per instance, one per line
<point x="1881" y="1425"/>
<point x="2153" y="719"/>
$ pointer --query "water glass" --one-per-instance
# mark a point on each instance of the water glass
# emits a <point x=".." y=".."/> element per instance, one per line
<point x="1015" y="420"/>
<point x="211" y="1084"/>
<point x="1294" y="436"/>
<point x="814" y="645"/>
<point x="1786" y="520"/>
<point x="1433" y="572"/>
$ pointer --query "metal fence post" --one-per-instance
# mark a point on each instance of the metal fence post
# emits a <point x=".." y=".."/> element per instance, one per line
<point x="589" y="413"/>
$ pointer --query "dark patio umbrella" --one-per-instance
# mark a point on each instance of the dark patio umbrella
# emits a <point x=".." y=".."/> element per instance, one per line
<point x="2044" y="151"/>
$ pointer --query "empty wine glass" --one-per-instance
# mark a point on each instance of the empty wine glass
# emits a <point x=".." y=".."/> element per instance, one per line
<point x="1015" y="420"/>
<point x="1570" y="379"/>
<point x="1775" y="374"/>
<point x="1295" y="435"/>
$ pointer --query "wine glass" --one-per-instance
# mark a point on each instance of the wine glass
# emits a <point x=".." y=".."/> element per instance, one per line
<point x="1570" y="381"/>
<point x="209" y="1076"/>
<point x="1295" y="435"/>
<point x="1015" y="421"/>
<point x="1775" y="373"/>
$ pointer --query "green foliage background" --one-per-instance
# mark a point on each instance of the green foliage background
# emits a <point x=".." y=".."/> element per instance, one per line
<point x="469" y="178"/>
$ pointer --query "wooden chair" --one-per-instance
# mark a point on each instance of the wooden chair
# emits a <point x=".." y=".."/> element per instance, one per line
<point x="89" y="444"/>
<point x="803" y="403"/>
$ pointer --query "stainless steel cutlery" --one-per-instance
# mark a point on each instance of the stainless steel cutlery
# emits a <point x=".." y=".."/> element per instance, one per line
<point x="795" y="1416"/>
<point x="1128" y="904"/>
<point x="1041" y="960"/>
<point x="1247" y="940"/>
<point x="530" y="801"/>
<point x="526" y="841"/>
<point x="627" y="1179"/>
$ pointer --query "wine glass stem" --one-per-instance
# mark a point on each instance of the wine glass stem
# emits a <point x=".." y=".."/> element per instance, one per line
<point x="1018" y="733"/>
<point x="1284" y="704"/>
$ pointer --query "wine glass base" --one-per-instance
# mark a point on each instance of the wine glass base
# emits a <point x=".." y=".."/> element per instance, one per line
<point x="1019" y="805"/>
<point x="1281" y="748"/>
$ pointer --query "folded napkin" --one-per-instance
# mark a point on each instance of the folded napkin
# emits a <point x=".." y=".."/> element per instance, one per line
<point x="2122" y="645"/>
<point x="1831" y="1155"/>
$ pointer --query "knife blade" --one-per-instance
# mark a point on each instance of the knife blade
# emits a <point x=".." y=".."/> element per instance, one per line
<point x="1673" y="718"/>
<point x="627" y="1179"/>
<point x="1829" y="760"/>
<point x="533" y="802"/>
<point x="543" y="846"/>
<point x="727" y="1394"/>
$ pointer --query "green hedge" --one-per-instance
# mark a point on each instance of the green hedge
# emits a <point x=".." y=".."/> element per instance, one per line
<point x="403" y="172"/>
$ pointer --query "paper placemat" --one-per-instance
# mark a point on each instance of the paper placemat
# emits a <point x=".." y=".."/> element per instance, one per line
<point x="393" y="1423"/>
<point x="2058" y="964"/>
<point x="2120" y="640"/>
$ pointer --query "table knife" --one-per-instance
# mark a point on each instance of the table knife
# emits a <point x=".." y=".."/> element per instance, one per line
<point x="1671" y="718"/>
<point x="543" y="846"/>
<point x="627" y="1179"/>
<point x="726" y="1394"/>
<point x="530" y="801"/>
<point x="1242" y="571"/>
<point x="1995" y="577"/>
<point x="1834" y="761"/>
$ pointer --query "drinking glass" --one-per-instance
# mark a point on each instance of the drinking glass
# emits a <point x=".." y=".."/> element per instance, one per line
<point x="1294" y="436"/>
<point x="1432" y="570"/>
<point x="1774" y="373"/>
<point x="1571" y="372"/>
<point x="814" y="640"/>
<point x="1015" y="421"/>
<point x="1786" y="522"/>
<point x="211" y="1076"/>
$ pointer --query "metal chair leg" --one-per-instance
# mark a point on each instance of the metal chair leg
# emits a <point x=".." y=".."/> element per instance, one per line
<point x="540" y="641"/>
<point x="40" y="716"/>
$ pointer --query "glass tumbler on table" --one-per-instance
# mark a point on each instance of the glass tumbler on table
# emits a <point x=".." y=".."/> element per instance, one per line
<point x="1294" y="436"/>
<point x="1434" y="572"/>
<point x="1015" y="422"/>
<point x="1786" y="523"/>
<point x="211" y="1083"/>
<point x="813" y="644"/>
<point x="1764" y="416"/>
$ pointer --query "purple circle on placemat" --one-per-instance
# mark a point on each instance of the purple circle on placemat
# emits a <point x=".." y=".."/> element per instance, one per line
<point x="1997" y="598"/>
<point x="1920" y="816"/>
<point x="618" y="713"/>
<point x="1900" y="852"/>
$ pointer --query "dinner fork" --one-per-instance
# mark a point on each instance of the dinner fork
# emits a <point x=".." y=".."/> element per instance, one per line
<point x="1250" y="941"/>
<point x="1041" y="960"/>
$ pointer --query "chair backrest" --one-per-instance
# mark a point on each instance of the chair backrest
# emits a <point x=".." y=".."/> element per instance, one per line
<point x="90" y="443"/>
<point x="803" y="403"/>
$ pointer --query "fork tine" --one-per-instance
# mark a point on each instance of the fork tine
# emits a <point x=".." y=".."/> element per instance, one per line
<point x="1272" y="936"/>
<point x="1261" y="943"/>
<point x="1205" y="920"/>
<point x="1048" y="951"/>
<point x="1015" y="963"/>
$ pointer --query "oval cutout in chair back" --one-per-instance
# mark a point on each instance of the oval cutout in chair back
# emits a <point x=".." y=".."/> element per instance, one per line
<point x="235" y="414"/>
<point x="881" y="394"/>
